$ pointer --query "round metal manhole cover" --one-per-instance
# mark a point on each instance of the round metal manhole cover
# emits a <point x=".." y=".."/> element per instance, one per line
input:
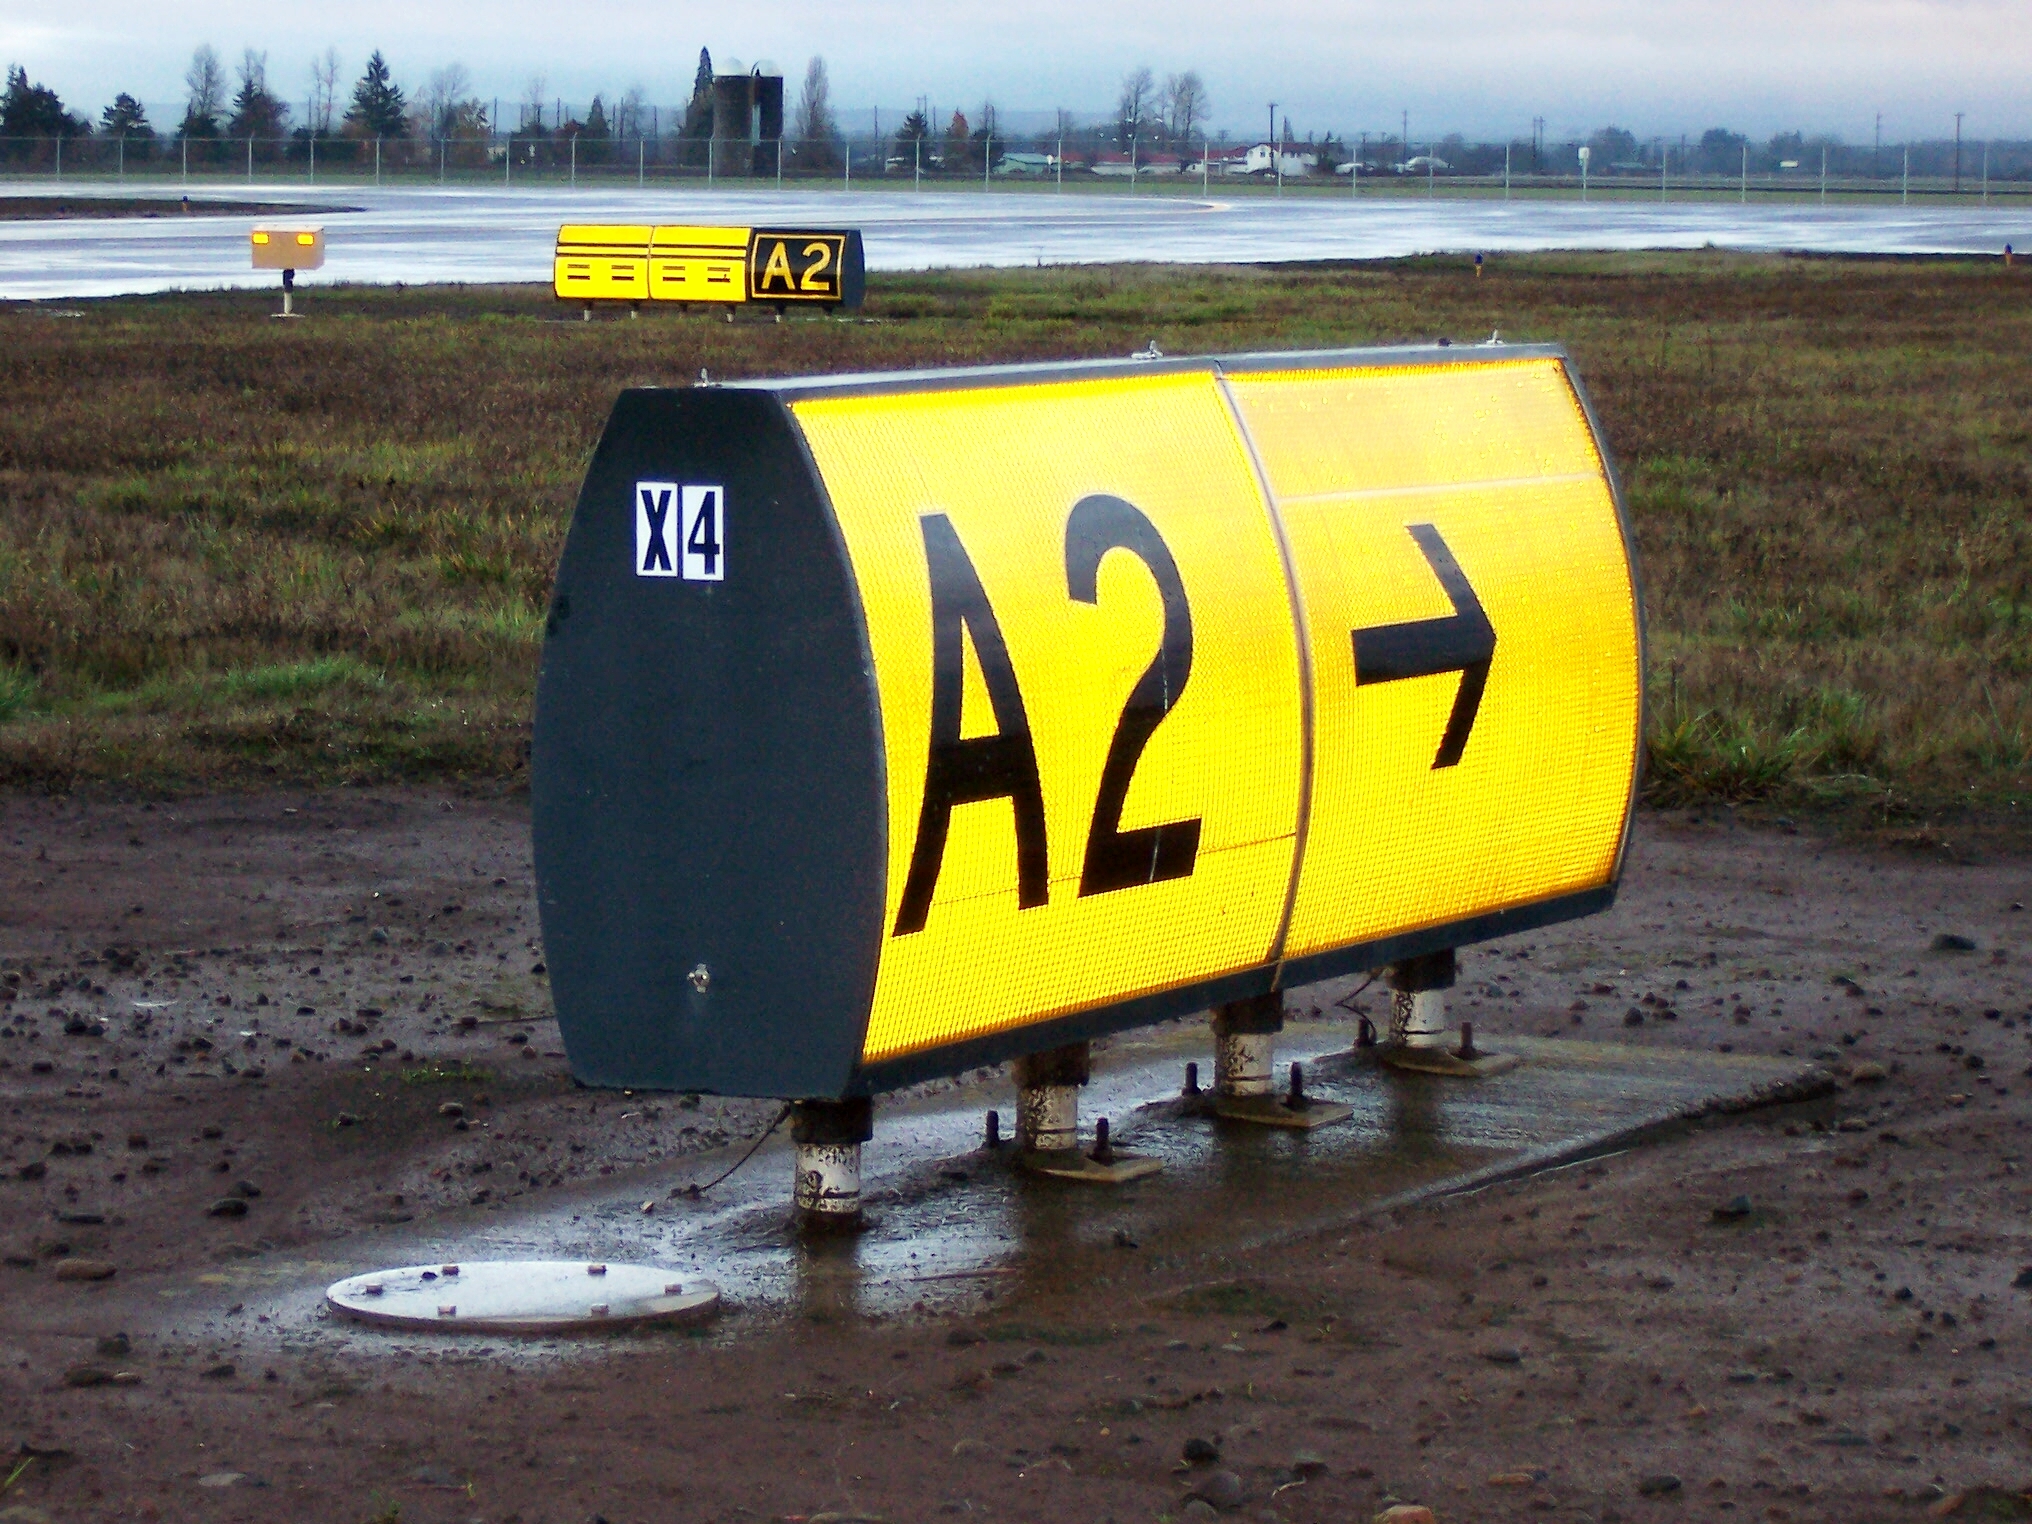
<point x="524" y="1296"/>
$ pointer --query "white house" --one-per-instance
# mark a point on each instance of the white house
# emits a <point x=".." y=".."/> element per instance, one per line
<point x="1267" y="159"/>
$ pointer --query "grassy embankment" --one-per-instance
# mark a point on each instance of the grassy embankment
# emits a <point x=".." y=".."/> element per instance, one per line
<point x="233" y="549"/>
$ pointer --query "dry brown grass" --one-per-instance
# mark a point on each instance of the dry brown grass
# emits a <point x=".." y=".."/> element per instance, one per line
<point x="234" y="548"/>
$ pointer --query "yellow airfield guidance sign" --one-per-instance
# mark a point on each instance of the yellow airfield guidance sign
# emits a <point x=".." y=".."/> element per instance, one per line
<point x="637" y="262"/>
<point x="894" y="725"/>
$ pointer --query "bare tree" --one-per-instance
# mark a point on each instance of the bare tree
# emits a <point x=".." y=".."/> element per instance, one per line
<point x="441" y="98"/>
<point x="256" y="113"/>
<point x="324" y="92"/>
<point x="1185" y="105"/>
<point x="253" y="70"/>
<point x="631" y="114"/>
<point x="1139" y="88"/>
<point x="814" y="122"/>
<point x="205" y="80"/>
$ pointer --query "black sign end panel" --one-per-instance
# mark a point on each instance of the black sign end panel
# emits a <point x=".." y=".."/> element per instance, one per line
<point x="824" y="267"/>
<point x="707" y="791"/>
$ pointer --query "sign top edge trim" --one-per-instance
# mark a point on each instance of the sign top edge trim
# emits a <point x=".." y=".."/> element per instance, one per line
<point x="798" y="388"/>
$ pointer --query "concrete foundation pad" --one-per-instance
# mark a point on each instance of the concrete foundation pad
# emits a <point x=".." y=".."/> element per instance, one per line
<point x="1071" y="1164"/>
<point x="1271" y="1111"/>
<point x="949" y="1218"/>
<point x="1444" y="1061"/>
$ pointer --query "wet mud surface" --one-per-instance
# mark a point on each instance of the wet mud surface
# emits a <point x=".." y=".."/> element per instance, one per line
<point x="251" y="1045"/>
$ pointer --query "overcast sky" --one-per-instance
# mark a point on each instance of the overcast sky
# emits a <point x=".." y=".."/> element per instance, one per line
<point x="1478" y="66"/>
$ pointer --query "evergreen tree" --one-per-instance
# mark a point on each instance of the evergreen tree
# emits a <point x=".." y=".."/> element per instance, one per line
<point x="698" y="111"/>
<point x="35" y="111"/>
<point x="378" y="109"/>
<point x="125" y="118"/>
<point x="594" y="135"/>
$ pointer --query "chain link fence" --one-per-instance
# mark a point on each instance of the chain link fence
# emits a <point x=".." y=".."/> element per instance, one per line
<point x="1929" y="171"/>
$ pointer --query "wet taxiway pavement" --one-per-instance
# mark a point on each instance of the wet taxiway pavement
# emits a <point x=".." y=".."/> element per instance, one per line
<point x="950" y="1222"/>
<point x="422" y="235"/>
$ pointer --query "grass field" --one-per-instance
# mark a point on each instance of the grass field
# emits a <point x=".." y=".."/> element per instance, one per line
<point x="234" y="549"/>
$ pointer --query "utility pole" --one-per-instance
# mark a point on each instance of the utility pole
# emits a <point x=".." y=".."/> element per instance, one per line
<point x="1957" y="153"/>
<point x="1273" y="127"/>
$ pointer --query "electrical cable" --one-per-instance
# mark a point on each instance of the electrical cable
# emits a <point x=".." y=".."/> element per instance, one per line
<point x="1347" y="1002"/>
<point x="696" y="1191"/>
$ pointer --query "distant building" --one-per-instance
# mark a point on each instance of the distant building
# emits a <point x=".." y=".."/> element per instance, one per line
<point x="747" y="108"/>
<point x="1027" y="164"/>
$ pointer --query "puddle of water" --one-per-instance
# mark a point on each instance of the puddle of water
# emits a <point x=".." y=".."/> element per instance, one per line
<point x="950" y="1223"/>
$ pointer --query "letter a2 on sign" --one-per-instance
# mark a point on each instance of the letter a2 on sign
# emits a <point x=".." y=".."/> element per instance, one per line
<point x="705" y="554"/>
<point x="656" y="529"/>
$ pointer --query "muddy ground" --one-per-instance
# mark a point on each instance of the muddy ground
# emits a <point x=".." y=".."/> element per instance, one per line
<point x="287" y="1029"/>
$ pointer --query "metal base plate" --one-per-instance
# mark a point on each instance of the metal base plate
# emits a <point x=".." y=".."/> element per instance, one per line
<point x="1071" y="1164"/>
<point x="1270" y="1111"/>
<point x="1443" y="1062"/>
<point x="539" y="1296"/>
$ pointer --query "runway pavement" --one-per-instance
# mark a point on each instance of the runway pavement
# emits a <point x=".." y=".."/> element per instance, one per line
<point x="491" y="235"/>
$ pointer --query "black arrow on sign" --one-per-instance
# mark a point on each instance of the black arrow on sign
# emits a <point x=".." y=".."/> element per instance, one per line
<point x="1464" y="642"/>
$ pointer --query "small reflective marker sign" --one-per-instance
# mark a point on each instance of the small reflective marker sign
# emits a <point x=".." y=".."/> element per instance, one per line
<point x="680" y="531"/>
<point x="704" y="531"/>
<point x="1057" y="700"/>
<point x="656" y="529"/>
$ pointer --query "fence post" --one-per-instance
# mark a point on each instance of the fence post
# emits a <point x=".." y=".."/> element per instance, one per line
<point x="1664" y="159"/>
<point x="377" y="162"/>
<point x="443" y="149"/>
<point x="988" y="158"/>
<point x="848" y="181"/>
<point x="1132" y="163"/>
<point x="917" y="165"/>
<point x="250" y="158"/>
<point x="186" y="160"/>
<point x="1506" y="171"/>
<point x="1986" y="171"/>
<point x="779" y="161"/>
<point x="1744" y="197"/>
<point x="123" y="156"/>
<point x="1061" y="163"/>
<point x="59" y="158"/>
<point x="1823" y="174"/>
<point x="711" y="144"/>
<point x="1905" y="179"/>
<point x="313" y="156"/>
